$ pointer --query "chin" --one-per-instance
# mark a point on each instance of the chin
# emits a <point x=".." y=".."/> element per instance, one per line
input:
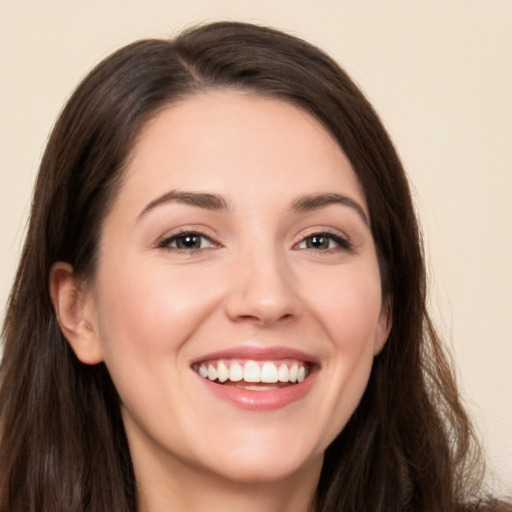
<point x="263" y="461"/>
<point x="267" y="470"/>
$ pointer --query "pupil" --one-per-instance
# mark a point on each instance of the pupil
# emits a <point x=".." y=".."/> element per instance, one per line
<point x="318" y="242"/>
<point x="188" y="242"/>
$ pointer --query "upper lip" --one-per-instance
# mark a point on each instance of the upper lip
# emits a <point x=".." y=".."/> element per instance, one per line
<point x="258" y="353"/>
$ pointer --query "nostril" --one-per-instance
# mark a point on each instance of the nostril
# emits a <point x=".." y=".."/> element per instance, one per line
<point x="265" y="319"/>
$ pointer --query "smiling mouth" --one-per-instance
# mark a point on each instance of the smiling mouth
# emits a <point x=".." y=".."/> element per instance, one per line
<point x="254" y="375"/>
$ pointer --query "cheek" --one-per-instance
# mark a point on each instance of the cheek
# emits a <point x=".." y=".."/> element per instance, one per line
<point x="146" y="316"/>
<point x="150" y="310"/>
<point x="353" y="325"/>
<point x="348" y="304"/>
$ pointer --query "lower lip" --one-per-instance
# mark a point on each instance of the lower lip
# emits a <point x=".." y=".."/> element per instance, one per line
<point x="269" y="400"/>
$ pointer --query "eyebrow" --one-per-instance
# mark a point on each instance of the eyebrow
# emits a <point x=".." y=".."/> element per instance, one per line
<point x="316" y="201"/>
<point x="207" y="201"/>
<point x="216" y="202"/>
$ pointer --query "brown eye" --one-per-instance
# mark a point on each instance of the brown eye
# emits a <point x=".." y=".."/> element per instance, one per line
<point x="188" y="241"/>
<point x="318" y="242"/>
<point x="324" y="242"/>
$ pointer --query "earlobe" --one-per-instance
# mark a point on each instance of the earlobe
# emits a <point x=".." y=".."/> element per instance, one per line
<point x="384" y="325"/>
<point x="74" y="308"/>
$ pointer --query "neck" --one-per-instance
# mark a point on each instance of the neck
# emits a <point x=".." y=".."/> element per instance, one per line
<point x="192" y="490"/>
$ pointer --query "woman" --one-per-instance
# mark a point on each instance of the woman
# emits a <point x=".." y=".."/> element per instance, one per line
<point x="222" y="290"/>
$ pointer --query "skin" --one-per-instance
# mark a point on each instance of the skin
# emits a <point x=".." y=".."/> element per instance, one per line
<point x="255" y="281"/>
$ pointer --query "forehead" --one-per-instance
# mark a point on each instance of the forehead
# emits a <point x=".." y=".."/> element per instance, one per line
<point x="232" y="141"/>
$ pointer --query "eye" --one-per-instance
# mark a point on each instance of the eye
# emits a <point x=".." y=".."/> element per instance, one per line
<point x="187" y="241"/>
<point x="324" y="242"/>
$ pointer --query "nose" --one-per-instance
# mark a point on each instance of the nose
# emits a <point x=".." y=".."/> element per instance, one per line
<point x="263" y="290"/>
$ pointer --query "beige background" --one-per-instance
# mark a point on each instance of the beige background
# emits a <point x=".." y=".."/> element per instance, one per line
<point x="438" y="71"/>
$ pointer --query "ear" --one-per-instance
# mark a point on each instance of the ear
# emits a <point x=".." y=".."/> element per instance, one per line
<point x="74" y="307"/>
<point x="384" y="324"/>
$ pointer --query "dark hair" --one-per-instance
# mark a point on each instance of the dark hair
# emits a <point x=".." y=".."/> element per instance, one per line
<point x="62" y="441"/>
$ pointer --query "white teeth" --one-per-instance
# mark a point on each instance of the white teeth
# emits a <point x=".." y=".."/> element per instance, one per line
<point x="252" y="372"/>
<point x="294" y="370"/>
<point x="236" y="372"/>
<point x="269" y="373"/>
<point x="212" y="372"/>
<point x="284" y="373"/>
<point x="266" y="372"/>
<point x="222" y="372"/>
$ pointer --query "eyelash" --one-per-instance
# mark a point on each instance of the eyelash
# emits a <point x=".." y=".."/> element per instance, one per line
<point x="166" y="243"/>
<point x="341" y="243"/>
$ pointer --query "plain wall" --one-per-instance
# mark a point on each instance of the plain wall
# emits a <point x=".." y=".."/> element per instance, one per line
<point x="438" y="71"/>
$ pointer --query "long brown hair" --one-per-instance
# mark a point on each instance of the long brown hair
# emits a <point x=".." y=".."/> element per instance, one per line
<point x="62" y="441"/>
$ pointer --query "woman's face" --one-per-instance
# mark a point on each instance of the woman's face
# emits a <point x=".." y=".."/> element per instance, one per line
<point x="238" y="250"/>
